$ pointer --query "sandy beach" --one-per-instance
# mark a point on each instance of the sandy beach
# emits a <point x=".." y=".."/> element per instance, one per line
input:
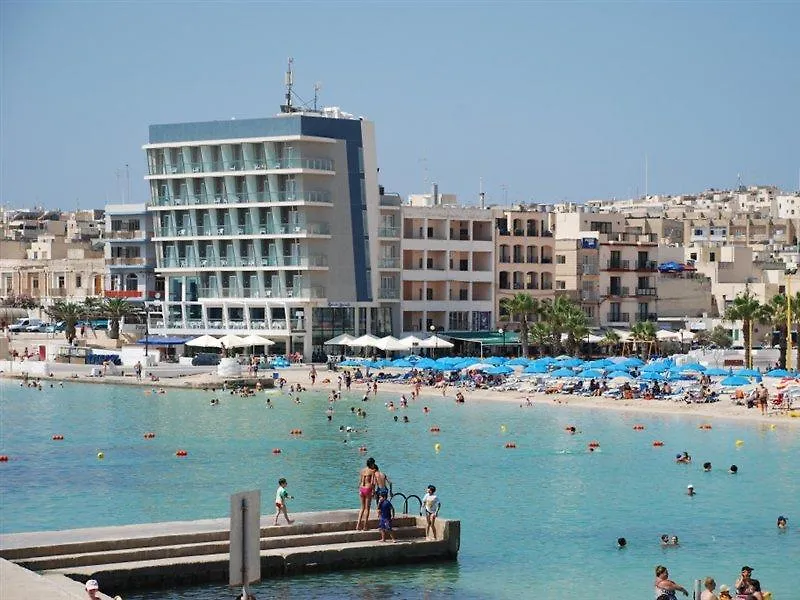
<point x="327" y="380"/>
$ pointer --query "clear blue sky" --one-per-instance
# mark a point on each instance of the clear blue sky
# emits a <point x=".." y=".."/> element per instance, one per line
<point x="553" y="100"/>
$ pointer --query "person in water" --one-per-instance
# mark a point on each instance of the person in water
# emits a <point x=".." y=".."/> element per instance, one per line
<point x="665" y="588"/>
<point x="781" y="522"/>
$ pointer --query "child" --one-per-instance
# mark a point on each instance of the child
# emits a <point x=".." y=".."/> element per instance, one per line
<point x="280" y="501"/>
<point x="430" y="506"/>
<point x="386" y="512"/>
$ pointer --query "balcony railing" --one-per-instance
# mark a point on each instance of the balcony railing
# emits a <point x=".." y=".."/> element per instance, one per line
<point x="646" y="265"/>
<point x="547" y="260"/>
<point x="547" y="285"/>
<point x="389" y="294"/>
<point x="126" y="235"/>
<point x="617" y="291"/>
<point x="589" y="269"/>
<point x="320" y="197"/>
<point x="389" y="232"/>
<point x="652" y="317"/>
<point x="125" y="294"/>
<point x="505" y="259"/>
<point x="236" y="230"/>
<point x="590" y="297"/>
<point x="299" y="162"/>
<point x="618" y="265"/>
<point x="125" y="261"/>
<point x="648" y="291"/>
<point x="389" y="263"/>
<point x="615" y="317"/>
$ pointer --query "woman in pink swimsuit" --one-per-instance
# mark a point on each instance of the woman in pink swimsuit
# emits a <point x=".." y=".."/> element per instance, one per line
<point x="366" y="489"/>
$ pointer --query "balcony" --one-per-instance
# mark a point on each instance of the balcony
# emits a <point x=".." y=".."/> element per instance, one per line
<point x="505" y="259"/>
<point x="237" y="230"/>
<point x="617" y="291"/>
<point x="630" y="238"/>
<point x="647" y="265"/>
<point x="618" y="265"/>
<point x="547" y="260"/>
<point x="532" y="232"/>
<point x="519" y="259"/>
<point x="388" y="232"/>
<point x="547" y="285"/>
<point x="652" y="317"/>
<point x="260" y="164"/>
<point x="389" y="263"/>
<point x="647" y="291"/>
<point x="126" y="235"/>
<point x="125" y="261"/>
<point x="388" y="294"/>
<point x="126" y="294"/>
<point x="615" y="317"/>
<point x="589" y="269"/>
<point x="547" y="234"/>
<point x="590" y="297"/>
<point x="318" y="197"/>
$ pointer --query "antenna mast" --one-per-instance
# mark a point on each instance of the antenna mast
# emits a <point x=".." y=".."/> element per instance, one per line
<point x="287" y="107"/>
<point x="317" y="88"/>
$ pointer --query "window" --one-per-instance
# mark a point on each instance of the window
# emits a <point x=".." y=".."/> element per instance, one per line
<point x="61" y="281"/>
<point x="561" y="285"/>
<point x="693" y="256"/>
<point x="712" y="256"/>
<point x="698" y="232"/>
<point x="561" y="259"/>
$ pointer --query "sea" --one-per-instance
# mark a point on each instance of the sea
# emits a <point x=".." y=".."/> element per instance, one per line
<point x="538" y="520"/>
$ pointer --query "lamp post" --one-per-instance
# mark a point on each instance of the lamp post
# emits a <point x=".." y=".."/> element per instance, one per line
<point x="502" y="332"/>
<point x="789" y="272"/>
<point x="147" y="323"/>
<point x="435" y="341"/>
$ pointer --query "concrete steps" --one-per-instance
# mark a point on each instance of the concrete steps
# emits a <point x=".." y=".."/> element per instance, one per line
<point x="164" y="554"/>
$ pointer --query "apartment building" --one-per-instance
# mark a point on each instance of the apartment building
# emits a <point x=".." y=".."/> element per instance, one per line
<point x="624" y="290"/>
<point x="524" y="254"/>
<point x="447" y="268"/>
<point x="130" y="254"/>
<point x="270" y="225"/>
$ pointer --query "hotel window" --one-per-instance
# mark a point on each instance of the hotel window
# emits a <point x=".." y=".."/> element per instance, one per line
<point x="61" y="281"/>
<point x="561" y="259"/>
<point x="561" y="285"/>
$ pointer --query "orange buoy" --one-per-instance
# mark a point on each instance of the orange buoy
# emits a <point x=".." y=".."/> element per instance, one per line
<point x="705" y="426"/>
<point x="58" y="437"/>
<point x="570" y="429"/>
<point x="638" y="427"/>
<point x="435" y="429"/>
<point x="181" y="453"/>
<point x="296" y="432"/>
<point x="276" y="450"/>
<point x="3" y="458"/>
<point x="658" y="443"/>
<point x="594" y="444"/>
<point x="149" y="435"/>
<point x="511" y="445"/>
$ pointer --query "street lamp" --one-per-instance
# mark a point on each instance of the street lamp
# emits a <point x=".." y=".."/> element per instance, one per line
<point x="502" y="332"/>
<point x="147" y="324"/>
<point x="789" y="272"/>
<point x="435" y="339"/>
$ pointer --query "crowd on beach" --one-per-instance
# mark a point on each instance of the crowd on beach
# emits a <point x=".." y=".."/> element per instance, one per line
<point x="745" y="588"/>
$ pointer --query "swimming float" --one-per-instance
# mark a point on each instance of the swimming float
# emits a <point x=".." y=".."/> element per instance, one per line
<point x="181" y="453"/>
<point x="638" y="427"/>
<point x="276" y="450"/>
<point x="58" y="437"/>
<point x="658" y="443"/>
<point x="435" y="429"/>
<point x="510" y="445"/>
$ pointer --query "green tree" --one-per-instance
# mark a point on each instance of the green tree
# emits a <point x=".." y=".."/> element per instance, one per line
<point x="778" y="315"/>
<point x="720" y="337"/>
<point x="576" y="326"/>
<point x="116" y="309"/>
<point x="644" y="333"/>
<point x="68" y="312"/>
<point x="521" y="307"/>
<point x="747" y="309"/>
<point x="611" y="340"/>
<point x="541" y="337"/>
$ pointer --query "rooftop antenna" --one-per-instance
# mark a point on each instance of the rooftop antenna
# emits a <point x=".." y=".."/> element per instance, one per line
<point x="481" y="194"/>
<point x="317" y="88"/>
<point x="289" y="80"/>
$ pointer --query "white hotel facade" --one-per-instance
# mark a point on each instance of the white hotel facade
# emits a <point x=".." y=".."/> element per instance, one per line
<point x="274" y="226"/>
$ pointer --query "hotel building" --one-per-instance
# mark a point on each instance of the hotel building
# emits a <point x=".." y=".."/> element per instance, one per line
<point x="129" y="254"/>
<point x="273" y="226"/>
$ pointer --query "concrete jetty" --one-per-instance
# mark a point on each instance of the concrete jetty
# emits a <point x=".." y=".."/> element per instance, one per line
<point x="129" y="557"/>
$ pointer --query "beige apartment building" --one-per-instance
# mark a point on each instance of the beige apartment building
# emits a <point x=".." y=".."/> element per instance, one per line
<point x="524" y="254"/>
<point x="609" y="264"/>
<point x="447" y="268"/>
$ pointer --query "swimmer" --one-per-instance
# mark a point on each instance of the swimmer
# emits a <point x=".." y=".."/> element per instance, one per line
<point x="621" y="543"/>
<point x="690" y="490"/>
<point x="665" y="540"/>
<point x="214" y="401"/>
<point x="683" y="458"/>
<point x="405" y="419"/>
<point x="707" y="467"/>
<point x="733" y="470"/>
<point x="396" y="418"/>
<point x="674" y="541"/>
<point x="781" y="522"/>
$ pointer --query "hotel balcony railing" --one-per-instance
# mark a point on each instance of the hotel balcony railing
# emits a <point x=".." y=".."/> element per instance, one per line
<point x="531" y="286"/>
<point x="389" y="232"/>
<point x="547" y="285"/>
<point x="126" y="235"/>
<point x="389" y="263"/>
<point x="532" y="232"/>
<point x="125" y="294"/>
<point x="589" y="269"/>
<point x="646" y="265"/>
<point x="534" y="260"/>
<point x="519" y="259"/>
<point x="389" y="294"/>
<point x="298" y="162"/>
<point x="235" y="230"/>
<point x="505" y="259"/>
<point x="618" y="265"/>
<point x="125" y="261"/>
<point x="652" y="317"/>
<point x="590" y="297"/>
<point x="618" y="291"/>
<point x="321" y="197"/>
<point x="647" y="291"/>
<point x="547" y="260"/>
<point x="614" y="317"/>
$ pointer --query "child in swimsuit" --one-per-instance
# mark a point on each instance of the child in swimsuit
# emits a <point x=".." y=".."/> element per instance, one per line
<point x="386" y="511"/>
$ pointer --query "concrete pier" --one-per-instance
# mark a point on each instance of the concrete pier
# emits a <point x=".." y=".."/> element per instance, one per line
<point x="191" y="552"/>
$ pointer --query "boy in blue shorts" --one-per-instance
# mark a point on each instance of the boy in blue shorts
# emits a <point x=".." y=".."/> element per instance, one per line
<point x="386" y="514"/>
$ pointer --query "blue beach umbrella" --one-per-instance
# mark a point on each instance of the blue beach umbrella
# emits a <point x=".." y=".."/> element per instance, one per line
<point x="631" y="361"/>
<point x="499" y="370"/>
<point x="747" y="373"/>
<point x="427" y="363"/>
<point x="570" y="362"/>
<point x="463" y="364"/>
<point x="654" y="368"/>
<point x="734" y="380"/>
<point x="778" y="373"/>
<point x="696" y="367"/>
<point x="401" y="362"/>
<point x="350" y="363"/>
<point x="717" y="372"/>
<point x="534" y="369"/>
<point x="496" y="360"/>
<point x="590" y="374"/>
<point x="651" y="376"/>
<point x="618" y="374"/>
<point x="545" y="360"/>
<point x="515" y="362"/>
<point x="562" y="373"/>
<point x="599" y="363"/>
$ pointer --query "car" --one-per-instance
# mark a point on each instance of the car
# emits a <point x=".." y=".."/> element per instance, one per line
<point x="41" y="328"/>
<point x="205" y="359"/>
<point x="25" y="325"/>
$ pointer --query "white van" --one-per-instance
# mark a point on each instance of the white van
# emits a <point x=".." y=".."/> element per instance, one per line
<point x="26" y="325"/>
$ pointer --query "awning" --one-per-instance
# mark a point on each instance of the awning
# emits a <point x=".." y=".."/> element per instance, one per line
<point x="486" y="338"/>
<point x="162" y="340"/>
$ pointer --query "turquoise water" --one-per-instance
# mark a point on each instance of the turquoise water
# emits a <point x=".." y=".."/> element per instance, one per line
<point x="540" y="520"/>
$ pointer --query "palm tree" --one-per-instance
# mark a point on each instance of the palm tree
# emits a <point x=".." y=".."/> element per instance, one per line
<point x="521" y="307"/>
<point x="644" y="331"/>
<point x="747" y="309"/>
<point x="540" y="336"/>
<point x="576" y="324"/>
<point x="611" y="339"/>
<point x="777" y="310"/>
<point x="116" y="309"/>
<point x="92" y="308"/>
<point x="68" y="312"/>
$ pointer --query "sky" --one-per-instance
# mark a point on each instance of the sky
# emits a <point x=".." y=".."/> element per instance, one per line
<point x="539" y="101"/>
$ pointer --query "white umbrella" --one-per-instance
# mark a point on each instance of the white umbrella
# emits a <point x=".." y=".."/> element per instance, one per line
<point x="663" y="334"/>
<point x="389" y="344"/>
<point x="410" y="341"/>
<point x="256" y="340"/>
<point x="232" y="341"/>
<point x="364" y="340"/>
<point x="435" y="342"/>
<point x="340" y="340"/>
<point x="205" y="341"/>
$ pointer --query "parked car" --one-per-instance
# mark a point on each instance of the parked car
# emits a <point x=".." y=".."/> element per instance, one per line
<point x="25" y="325"/>
<point x="41" y="328"/>
<point x="205" y="359"/>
